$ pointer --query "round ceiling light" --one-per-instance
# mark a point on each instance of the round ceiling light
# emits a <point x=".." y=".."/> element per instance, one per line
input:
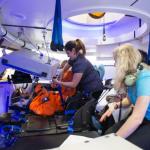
<point x="87" y="20"/>
<point x="96" y="15"/>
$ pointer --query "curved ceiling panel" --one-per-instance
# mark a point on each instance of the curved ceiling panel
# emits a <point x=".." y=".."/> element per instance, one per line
<point x="40" y="13"/>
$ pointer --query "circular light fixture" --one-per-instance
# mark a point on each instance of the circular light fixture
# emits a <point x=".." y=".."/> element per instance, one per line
<point x="96" y="15"/>
<point x="87" y="20"/>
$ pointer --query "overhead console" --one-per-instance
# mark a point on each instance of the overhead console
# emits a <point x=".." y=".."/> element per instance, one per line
<point x="32" y="63"/>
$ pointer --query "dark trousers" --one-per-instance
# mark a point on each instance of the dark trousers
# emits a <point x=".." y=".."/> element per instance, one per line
<point x="78" y="100"/>
<point x="140" y="137"/>
<point x="97" y="94"/>
<point x="75" y="102"/>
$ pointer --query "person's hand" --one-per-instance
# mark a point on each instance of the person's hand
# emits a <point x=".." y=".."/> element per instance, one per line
<point x="108" y="112"/>
<point x="55" y="81"/>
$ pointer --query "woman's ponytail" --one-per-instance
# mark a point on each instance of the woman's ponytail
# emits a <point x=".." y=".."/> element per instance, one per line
<point x="80" y="47"/>
<point x="77" y="45"/>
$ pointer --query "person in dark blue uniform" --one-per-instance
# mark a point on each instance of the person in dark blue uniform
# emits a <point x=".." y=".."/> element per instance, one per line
<point x="85" y="78"/>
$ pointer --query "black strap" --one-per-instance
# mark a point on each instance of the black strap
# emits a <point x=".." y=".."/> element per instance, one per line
<point x="146" y="121"/>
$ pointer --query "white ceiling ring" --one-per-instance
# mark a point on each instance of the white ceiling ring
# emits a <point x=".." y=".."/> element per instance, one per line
<point x="130" y="11"/>
<point x="124" y="10"/>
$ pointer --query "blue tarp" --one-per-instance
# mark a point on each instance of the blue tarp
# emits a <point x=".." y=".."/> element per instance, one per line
<point x="57" y="40"/>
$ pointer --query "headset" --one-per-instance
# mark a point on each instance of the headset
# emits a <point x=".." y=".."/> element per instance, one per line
<point x="130" y="79"/>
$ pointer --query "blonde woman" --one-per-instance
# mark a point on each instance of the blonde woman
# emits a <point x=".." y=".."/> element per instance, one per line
<point x="133" y="77"/>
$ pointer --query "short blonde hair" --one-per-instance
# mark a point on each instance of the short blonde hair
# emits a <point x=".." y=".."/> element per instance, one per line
<point x="127" y="59"/>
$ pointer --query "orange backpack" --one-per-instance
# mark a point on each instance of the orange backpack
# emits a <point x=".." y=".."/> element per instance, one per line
<point x="45" y="103"/>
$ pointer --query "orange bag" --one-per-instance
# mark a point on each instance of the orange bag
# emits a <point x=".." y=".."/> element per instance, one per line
<point x="46" y="103"/>
<point x="67" y="91"/>
<point x="56" y="97"/>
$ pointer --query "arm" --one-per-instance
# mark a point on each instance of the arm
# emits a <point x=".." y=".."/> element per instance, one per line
<point x="134" y="121"/>
<point x="112" y="106"/>
<point x="73" y="84"/>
